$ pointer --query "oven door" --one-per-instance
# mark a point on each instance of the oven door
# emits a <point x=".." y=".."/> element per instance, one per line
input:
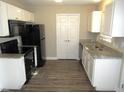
<point x="29" y="63"/>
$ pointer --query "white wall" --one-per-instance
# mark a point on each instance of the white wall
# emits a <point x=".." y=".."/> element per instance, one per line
<point x="47" y="15"/>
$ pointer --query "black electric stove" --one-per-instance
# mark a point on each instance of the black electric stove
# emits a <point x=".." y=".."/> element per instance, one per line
<point x="29" y="60"/>
<point x="11" y="47"/>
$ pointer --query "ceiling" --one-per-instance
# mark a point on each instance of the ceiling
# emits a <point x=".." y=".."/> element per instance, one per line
<point x="65" y="2"/>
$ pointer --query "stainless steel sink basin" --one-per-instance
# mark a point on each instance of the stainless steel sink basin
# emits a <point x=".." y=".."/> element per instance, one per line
<point x="94" y="48"/>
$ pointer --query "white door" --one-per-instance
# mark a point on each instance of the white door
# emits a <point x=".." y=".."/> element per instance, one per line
<point x="67" y="35"/>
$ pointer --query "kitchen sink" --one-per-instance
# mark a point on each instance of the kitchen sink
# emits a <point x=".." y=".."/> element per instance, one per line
<point x="94" y="48"/>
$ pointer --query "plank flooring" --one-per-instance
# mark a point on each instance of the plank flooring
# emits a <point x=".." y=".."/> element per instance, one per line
<point x="59" y="76"/>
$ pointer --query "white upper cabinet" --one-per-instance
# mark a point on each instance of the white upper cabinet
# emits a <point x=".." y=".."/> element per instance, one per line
<point x="94" y="21"/>
<point x="113" y="19"/>
<point x="31" y="17"/>
<point x="4" y="29"/>
<point x="28" y="16"/>
<point x="10" y="12"/>
<point x="15" y="13"/>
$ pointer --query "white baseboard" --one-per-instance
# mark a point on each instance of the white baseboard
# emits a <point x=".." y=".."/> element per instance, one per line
<point x="51" y="58"/>
<point x="55" y="58"/>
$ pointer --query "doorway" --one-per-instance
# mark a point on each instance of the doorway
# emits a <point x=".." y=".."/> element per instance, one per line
<point x="67" y="27"/>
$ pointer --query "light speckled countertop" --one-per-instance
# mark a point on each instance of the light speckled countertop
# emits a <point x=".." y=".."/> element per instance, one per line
<point x="5" y="39"/>
<point x="100" y="51"/>
<point x="11" y="56"/>
<point x="21" y="52"/>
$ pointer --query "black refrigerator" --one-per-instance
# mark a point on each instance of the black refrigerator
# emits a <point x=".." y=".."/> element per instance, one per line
<point x="31" y="34"/>
<point x="35" y="35"/>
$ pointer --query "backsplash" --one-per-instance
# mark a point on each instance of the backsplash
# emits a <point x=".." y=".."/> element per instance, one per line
<point x="116" y="42"/>
<point x="88" y="35"/>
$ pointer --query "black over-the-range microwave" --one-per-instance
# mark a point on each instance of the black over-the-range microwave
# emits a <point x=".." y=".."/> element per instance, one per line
<point x="17" y="28"/>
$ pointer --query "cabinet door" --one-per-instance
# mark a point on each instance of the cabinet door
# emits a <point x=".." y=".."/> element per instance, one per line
<point x="118" y="19"/>
<point x="89" y="22"/>
<point x="31" y="17"/>
<point x="87" y="61"/>
<point x="84" y="57"/>
<point x="23" y="15"/>
<point x="90" y="68"/>
<point x="4" y="29"/>
<point x="26" y="16"/>
<point x="94" y="22"/>
<point x="12" y="73"/>
<point x="14" y="13"/>
<point x="107" y="20"/>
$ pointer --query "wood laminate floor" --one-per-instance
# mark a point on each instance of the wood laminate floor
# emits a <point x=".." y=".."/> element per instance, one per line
<point x="59" y="76"/>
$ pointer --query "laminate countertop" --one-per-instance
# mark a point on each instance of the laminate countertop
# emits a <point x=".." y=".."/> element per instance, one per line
<point x="21" y="52"/>
<point x="11" y="56"/>
<point x="100" y="51"/>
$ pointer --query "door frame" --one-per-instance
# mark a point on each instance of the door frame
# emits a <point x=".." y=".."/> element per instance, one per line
<point x="65" y="14"/>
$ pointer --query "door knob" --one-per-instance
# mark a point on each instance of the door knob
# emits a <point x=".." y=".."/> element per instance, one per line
<point x="67" y="40"/>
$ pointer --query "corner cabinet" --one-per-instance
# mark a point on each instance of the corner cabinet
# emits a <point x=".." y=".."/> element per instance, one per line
<point x="113" y="19"/>
<point x="4" y="28"/>
<point x="94" y="21"/>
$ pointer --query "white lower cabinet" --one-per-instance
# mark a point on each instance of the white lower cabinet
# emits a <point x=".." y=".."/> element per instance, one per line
<point x="84" y="58"/>
<point x="90" y="68"/>
<point x="12" y="73"/>
<point x="104" y="74"/>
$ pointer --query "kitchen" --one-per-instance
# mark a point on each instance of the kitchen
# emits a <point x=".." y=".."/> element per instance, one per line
<point x="46" y="13"/>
